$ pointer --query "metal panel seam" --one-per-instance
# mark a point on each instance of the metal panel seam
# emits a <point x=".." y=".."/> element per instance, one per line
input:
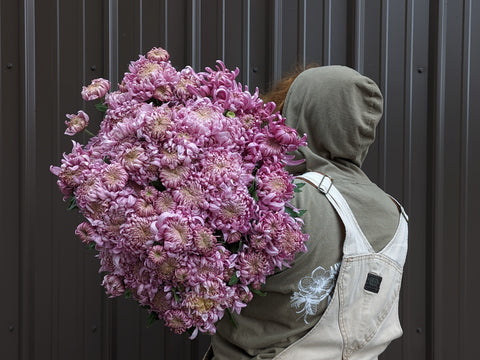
<point x="359" y="43"/>
<point x="438" y="178"/>
<point x="464" y="157"/>
<point x="327" y="32"/>
<point x="28" y="196"/>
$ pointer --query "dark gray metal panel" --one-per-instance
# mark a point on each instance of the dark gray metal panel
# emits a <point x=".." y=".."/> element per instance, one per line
<point x="290" y="34"/>
<point x="211" y="31"/>
<point x="448" y="239"/>
<point x="339" y="33"/>
<point x="154" y="24"/>
<point x="10" y="102"/>
<point x="177" y="33"/>
<point x="425" y="153"/>
<point x="259" y="34"/>
<point x="455" y="242"/>
<point x="129" y="33"/>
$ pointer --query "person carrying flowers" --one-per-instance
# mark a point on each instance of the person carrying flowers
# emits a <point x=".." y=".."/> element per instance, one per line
<point x="338" y="300"/>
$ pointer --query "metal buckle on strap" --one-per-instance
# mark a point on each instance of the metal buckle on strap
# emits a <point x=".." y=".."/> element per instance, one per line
<point x="322" y="188"/>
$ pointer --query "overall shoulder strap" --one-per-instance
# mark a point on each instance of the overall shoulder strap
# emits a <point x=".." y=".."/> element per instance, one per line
<point x="355" y="242"/>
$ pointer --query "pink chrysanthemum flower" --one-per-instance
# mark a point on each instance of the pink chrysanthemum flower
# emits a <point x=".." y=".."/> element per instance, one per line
<point x="274" y="186"/>
<point x="176" y="234"/>
<point x="157" y="122"/>
<point x="113" y="285"/>
<point x="157" y="255"/>
<point x="162" y="302"/>
<point x="166" y="269"/>
<point x="76" y="123"/>
<point x="138" y="233"/>
<point x="144" y="208"/>
<point x="114" y="177"/>
<point x="204" y="240"/>
<point x="85" y="232"/>
<point x="96" y="90"/>
<point x="164" y="202"/>
<point x="252" y="268"/>
<point x="158" y="55"/>
<point x="133" y="157"/>
<point x="172" y="178"/>
<point x="177" y="320"/>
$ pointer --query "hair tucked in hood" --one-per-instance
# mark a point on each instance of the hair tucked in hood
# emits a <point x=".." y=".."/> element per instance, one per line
<point x="338" y="109"/>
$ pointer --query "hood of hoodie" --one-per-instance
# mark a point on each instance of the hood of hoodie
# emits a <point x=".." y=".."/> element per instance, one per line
<point x="338" y="109"/>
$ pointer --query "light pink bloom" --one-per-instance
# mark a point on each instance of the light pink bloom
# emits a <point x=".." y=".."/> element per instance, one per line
<point x="115" y="177"/>
<point x="158" y="54"/>
<point x="96" y="90"/>
<point x="76" y="123"/>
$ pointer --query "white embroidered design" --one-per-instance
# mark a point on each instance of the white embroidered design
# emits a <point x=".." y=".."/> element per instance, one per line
<point x="312" y="290"/>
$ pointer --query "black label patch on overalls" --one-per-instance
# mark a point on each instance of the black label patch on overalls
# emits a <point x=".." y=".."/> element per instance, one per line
<point x="373" y="283"/>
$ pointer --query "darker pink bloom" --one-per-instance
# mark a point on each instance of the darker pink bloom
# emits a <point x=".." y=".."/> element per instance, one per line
<point x="113" y="285"/>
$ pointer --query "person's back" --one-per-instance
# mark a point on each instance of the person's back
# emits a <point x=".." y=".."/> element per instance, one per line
<point x="338" y="109"/>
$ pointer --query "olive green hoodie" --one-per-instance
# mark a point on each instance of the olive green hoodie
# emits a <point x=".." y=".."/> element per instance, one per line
<point x="338" y="109"/>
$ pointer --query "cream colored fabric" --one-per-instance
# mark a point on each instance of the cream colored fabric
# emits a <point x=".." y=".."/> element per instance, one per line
<point x="358" y="323"/>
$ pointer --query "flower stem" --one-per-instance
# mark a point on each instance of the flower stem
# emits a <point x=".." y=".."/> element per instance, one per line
<point x="89" y="133"/>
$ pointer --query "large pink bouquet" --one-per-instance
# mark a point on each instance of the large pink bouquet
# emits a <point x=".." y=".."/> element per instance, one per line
<point x="184" y="190"/>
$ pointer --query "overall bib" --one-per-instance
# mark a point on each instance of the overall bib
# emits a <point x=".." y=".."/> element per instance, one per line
<point x="362" y="317"/>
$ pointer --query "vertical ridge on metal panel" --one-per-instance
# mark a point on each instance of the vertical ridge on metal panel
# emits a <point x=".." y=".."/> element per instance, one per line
<point x="407" y="163"/>
<point x="472" y="248"/>
<point x="464" y="175"/>
<point x="438" y="175"/>
<point x="327" y="32"/>
<point x="384" y="71"/>
<point x="302" y="32"/>
<point x="246" y="43"/>
<point x="359" y="35"/>
<point x="276" y="42"/>
<point x="113" y="69"/>
<point x="196" y="35"/>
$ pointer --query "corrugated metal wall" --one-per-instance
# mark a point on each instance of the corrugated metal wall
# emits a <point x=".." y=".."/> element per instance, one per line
<point x="421" y="53"/>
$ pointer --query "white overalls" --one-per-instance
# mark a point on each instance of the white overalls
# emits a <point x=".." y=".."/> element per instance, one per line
<point x="362" y="317"/>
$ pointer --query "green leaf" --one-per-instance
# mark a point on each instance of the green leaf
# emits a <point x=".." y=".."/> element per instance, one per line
<point x="291" y="212"/>
<point x="175" y="295"/>
<point x="233" y="280"/>
<point x="302" y="212"/>
<point x="128" y="294"/>
<point x="158" y="185"/>
<point x="252" y="190"/>
<point x="106" y="160"/>
<point x="258" y="292"/>
<point x="229" y="114"/>
<point x="232" y="319"/>
<point x="101" y="107"/>
<point x="91" y="246"/>
<point x="73" y="203"/>
<point x="152" y="318"/>
<point x="298" y="187"/>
